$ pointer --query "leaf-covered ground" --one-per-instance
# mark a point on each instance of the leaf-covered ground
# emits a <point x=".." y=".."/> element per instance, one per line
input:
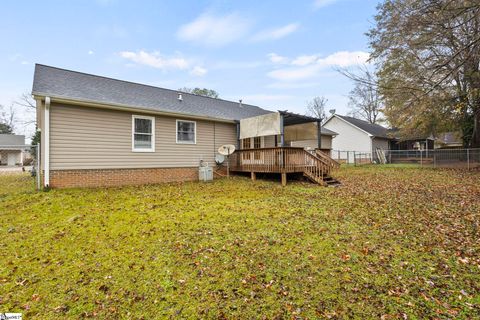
<point x="391" y="243"/>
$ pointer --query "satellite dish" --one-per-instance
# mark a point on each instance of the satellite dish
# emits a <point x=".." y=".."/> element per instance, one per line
<point x="226" y="149"/>
<point x="219" y="158"/>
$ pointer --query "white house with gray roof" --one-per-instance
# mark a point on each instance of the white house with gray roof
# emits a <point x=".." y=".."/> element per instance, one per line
<point x="98" y="131"/>
<point x="12" y="147"/>
<point x="358" y="135"/>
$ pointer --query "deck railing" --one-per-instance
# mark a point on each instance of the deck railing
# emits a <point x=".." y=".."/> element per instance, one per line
<point x="281" y="160"/>
<point x="327" y="160"/>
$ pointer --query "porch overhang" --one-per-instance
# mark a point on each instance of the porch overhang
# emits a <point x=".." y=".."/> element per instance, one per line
<point x="260" y="126"/>
<point x="290" y="118"/>
<point x="274" y="124"/>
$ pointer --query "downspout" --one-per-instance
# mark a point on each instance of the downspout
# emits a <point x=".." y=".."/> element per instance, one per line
<point x="319" y="135"/>
<point x="46" y="143"/>
<point x="238" y="135"/>
<point x="372" y="147"/>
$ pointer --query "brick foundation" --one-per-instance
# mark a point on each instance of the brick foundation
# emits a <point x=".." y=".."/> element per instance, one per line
<point x="119" y="177"/>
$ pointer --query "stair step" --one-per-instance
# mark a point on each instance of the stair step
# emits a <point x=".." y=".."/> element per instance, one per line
<point x="334" y="185"/>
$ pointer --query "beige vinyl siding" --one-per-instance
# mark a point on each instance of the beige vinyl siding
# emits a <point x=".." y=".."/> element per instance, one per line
<point x="380" y="143"/>
<point x="269" y="141"/>
<point x="313" y="143"/>
<point x="92" y="138"/>
<point x="225" y="133"/>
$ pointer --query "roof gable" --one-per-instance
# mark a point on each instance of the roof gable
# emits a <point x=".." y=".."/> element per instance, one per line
<point x="67" y="84"/>
<point x="375" y="130"/>
<point x="12" y="139"/>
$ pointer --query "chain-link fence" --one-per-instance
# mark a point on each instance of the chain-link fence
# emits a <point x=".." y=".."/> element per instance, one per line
<point x="18" y="159"/>
<point x="437" y="158"/>
<point x="343" y="156"/>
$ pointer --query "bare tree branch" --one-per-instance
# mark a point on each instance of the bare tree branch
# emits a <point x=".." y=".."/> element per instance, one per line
<point x="316" y="107"/>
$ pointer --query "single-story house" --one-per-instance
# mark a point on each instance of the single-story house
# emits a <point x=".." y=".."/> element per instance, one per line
<point x="12" y="147"/>
<point x="358" y="135"/>
<point x="98" y="131"/>
<point x="449" y="140"/>
<point x="445" y="140"/>
<point x="414" y="143"/>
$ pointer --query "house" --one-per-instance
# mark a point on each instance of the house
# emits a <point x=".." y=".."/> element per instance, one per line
<point x="11" y="149"/>
<point x="98" y="131"/>
<point x="356" y="135"/>
<point x="414" y="143"/>
<point x="445" y="140"/>
<point x="449" y="140"/>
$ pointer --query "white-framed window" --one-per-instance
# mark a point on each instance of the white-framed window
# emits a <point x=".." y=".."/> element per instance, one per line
<point x="186" y="132"/>
<point x="143" y="133"/>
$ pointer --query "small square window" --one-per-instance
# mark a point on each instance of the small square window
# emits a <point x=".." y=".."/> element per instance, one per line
<point x="186" y="131"/>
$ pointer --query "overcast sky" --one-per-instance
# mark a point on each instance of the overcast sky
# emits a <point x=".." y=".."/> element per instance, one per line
<point x="274" y="54"/>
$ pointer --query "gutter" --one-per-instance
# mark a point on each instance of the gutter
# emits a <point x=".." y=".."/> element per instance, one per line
<point x="121" y="107"/>
<point x="46" y="143"/>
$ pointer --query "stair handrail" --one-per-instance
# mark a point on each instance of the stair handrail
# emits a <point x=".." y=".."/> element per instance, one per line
<point x="330" y="162"/>
<point x="318" y="170"/>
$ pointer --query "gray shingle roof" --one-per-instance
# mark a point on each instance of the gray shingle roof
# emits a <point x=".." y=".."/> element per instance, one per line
<point x="328" y="132"/>
<point x="11" y="140"/>
<point x="374" y="129"/>
<point x="67" y="84"/>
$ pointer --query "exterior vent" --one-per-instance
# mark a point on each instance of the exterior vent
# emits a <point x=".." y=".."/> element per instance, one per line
<point x="240" y="103"/>
<point x="180" y="98"/>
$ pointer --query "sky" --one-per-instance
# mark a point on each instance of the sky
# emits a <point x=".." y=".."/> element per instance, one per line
<point x="275" y="54"/>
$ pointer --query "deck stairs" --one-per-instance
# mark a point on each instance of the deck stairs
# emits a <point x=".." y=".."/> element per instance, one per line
<point x="318" y="168"/>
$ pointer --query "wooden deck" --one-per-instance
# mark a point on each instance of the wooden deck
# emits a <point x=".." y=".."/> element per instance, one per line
<point x="314" y="165"/>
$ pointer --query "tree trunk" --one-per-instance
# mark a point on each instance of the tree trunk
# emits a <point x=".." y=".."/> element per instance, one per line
<point x="475" y="142"/>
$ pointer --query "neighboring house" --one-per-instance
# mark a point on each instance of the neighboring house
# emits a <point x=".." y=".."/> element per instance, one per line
<point x="414" y="143"/>
<point x="449" y="140"/>
<point x="11" y="149"/>
<point x="358" y="135"/>
<point x="98" y="131"/>
<point x="446" y="140"/>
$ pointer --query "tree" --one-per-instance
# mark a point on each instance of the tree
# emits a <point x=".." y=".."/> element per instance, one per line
<point x="200" y="91"/>
<point x="36" y="138"/>
<point x="7" y="119"/>
<point x="316" y="107"/>
<point x="365" y="100"/>
<point x="5" y="128"/>
<point x="428" y="59"/>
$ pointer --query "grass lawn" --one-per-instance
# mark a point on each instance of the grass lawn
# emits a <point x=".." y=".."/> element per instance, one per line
<point x="391" y="243"/>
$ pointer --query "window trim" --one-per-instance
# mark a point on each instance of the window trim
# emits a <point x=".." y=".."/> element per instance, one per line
<point x="194" y="132"/>
<point x="152" y="149"/>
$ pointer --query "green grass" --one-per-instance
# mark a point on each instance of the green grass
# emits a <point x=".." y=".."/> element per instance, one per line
<point x="392" y="243"/>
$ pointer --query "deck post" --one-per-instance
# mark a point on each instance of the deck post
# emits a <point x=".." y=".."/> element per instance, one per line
<point x="254" y="176"/>
<point x="284" y="179"/>
<point x="319" y="134"/>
